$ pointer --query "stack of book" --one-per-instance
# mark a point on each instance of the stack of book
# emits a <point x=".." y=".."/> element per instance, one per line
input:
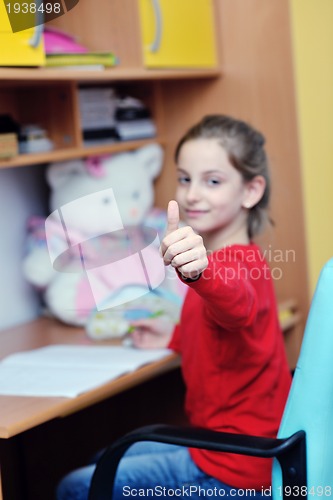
<point x="63" y="50"/>
<point x="97" y="109"/>
<point x="106" y="118"/>
<point x="133" y="120"/>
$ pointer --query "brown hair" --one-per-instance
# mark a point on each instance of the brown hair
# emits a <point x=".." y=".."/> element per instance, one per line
<point x="245" y="148"/>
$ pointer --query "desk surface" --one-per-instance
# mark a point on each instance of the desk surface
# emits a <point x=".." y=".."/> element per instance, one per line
<point x="22" y="413"/>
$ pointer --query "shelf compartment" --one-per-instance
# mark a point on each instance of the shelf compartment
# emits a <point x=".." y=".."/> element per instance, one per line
<point x="50" y="107"/>
<point x="55" y="107"/>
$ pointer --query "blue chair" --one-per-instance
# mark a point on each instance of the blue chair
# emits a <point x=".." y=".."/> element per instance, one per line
<point x="303" y="449"/>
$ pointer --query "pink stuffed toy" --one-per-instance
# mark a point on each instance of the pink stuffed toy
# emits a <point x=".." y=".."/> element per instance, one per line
<point x="95" y="259"/>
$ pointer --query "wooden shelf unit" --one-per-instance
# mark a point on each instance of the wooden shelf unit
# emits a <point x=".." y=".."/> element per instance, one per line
<point x="49" y="98"/>
<point x="256" y="85"/>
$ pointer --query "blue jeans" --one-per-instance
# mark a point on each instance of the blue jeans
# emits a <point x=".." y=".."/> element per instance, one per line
<point x="157" y="470"/>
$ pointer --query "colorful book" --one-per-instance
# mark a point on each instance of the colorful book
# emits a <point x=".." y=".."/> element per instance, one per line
<point x="107" y="59"/>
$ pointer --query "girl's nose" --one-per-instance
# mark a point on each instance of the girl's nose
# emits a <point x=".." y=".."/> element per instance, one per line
<point x="193" y="193"/>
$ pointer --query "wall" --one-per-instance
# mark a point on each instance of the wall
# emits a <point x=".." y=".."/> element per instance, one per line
<point x="20" y="195"/>
<point x="313" y="62"/>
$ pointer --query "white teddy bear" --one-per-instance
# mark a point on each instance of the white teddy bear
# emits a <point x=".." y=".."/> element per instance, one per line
<point x="95" y="258"/>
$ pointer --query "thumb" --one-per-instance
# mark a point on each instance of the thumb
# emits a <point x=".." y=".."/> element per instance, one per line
<point x="173" y="217"/>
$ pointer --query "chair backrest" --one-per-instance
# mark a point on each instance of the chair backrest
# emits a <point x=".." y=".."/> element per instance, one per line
<point x="310" y="403"/>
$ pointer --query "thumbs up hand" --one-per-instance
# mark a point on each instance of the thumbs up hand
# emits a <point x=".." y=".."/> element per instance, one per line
<point x="173" y="217"/>
<point x="182" y="247"/>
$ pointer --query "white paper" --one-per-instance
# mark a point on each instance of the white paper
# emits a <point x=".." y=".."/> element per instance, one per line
<point x="67" y="370"/>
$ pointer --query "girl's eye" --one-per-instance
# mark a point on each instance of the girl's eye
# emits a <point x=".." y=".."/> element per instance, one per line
<point x="136" y="195"/>
<point x="183" y="179"/>
<point x="213" y="181"/>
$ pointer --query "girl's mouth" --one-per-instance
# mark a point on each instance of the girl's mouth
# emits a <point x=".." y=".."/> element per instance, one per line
<point x="195" y="213"/>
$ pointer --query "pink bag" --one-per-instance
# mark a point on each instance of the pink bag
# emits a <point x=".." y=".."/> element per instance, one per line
<point x="58" y="42"/>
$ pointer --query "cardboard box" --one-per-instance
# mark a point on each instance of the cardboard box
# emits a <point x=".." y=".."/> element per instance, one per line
<point x="8" y="146"/>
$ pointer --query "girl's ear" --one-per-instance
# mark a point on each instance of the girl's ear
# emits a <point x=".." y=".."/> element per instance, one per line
<point x="254" y="191"/>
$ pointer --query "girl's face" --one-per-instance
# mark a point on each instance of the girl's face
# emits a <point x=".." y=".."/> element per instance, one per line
<point x="211" y="193"/>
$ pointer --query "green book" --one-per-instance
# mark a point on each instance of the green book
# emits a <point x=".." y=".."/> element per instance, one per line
<point x="87" y="58"/>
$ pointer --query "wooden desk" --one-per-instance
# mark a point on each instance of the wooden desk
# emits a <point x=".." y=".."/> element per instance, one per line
<point x="19" y="414"/>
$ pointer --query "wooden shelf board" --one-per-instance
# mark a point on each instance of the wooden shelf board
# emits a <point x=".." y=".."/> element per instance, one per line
<point x="72" y="153"/>
<point x="116" y="73"/>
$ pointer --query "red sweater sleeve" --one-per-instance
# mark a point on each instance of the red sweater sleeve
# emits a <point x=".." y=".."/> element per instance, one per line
<point x="230" y="298"/>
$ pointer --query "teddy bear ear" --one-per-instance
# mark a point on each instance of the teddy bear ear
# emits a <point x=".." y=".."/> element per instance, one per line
<point x="151" y="156"/>
<point x="59" y="173"/>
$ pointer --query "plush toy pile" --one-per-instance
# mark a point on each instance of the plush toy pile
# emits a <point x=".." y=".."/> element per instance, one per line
<point x="95" y="259"/>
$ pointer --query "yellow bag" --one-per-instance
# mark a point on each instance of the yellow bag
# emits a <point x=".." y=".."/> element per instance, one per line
<point x="23" y="48"/>
<point x="178" y="33"/>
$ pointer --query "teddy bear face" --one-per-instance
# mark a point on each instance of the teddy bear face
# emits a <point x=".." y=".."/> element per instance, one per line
<point x="97" y="190"/>
<point x="133" y="190"/>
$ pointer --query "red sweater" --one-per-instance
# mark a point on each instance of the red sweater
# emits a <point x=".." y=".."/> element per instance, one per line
<point x="233" y="360"/>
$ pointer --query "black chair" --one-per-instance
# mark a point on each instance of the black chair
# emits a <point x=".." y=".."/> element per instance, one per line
<point x="303" y="450"/>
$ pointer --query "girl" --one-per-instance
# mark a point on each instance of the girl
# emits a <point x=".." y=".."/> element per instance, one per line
<point x="233" y="359"/>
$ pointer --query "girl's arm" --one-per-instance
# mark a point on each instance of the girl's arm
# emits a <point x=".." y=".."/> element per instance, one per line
<point x="230" y="299"/>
